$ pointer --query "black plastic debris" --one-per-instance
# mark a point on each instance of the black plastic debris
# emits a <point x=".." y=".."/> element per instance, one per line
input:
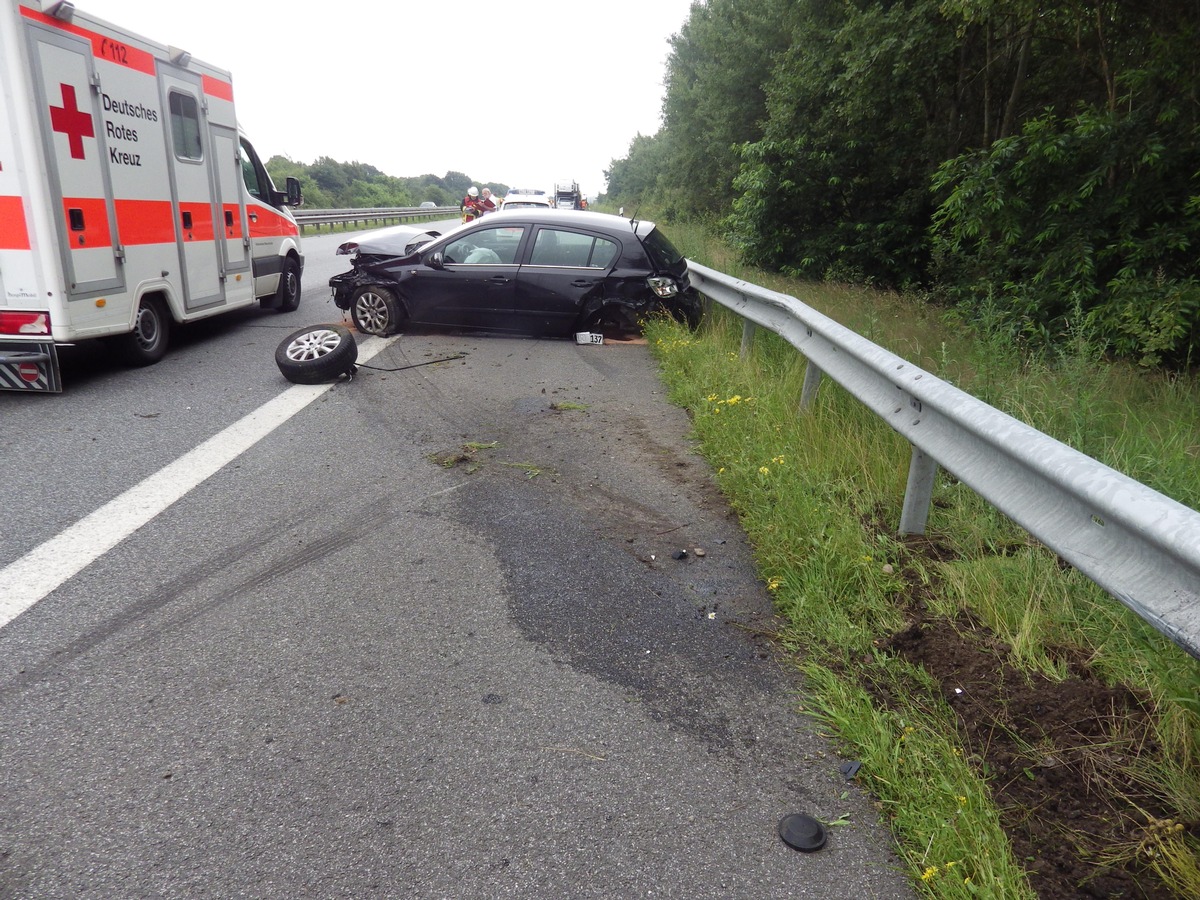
<point x="850" y="768"/>
<point x="801" y="832"/>
<point x="679" y="554"/>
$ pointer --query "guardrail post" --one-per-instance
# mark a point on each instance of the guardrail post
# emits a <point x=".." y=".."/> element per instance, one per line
<point x="812" y="381"/>
<point x="922" y="471"/>
<point x="748" y="328"/>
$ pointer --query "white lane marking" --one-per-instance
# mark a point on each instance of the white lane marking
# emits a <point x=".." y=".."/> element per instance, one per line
<point x="30" y="578"/>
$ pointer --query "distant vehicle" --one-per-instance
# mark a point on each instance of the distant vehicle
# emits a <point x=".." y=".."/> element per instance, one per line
<point x="428" y="204"/>
<point x="567" y="195"/>
<point x="532" y="271"/>
<point x="527" y="201"/>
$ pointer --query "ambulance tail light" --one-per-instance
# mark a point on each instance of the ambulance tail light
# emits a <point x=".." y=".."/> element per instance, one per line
<point x="24" y="323"/>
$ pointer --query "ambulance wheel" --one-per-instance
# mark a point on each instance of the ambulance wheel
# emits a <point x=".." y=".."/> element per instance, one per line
<point x="317" y="354"/>
<point x="287" y="295"/>
<point x="147" y="343"/>
<point x="376" y="311"/>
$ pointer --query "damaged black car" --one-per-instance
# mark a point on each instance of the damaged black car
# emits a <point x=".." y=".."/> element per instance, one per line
<point x="545" y="273"/>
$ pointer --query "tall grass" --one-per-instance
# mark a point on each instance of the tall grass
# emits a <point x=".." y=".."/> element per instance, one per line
<point x="819" y="491"/>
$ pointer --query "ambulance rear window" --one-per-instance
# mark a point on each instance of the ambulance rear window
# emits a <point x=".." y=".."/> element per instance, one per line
<point x="185" y="125"/>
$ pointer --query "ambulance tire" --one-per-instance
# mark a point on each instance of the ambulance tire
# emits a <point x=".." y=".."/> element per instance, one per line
<point x="377" y="311"/>
<point x="287" y="295"/>
<point x="317" y="354"/>
<point x="147" y="343"/>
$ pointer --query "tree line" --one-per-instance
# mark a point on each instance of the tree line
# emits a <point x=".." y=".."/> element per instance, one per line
<point x="329" y="184"/>
<point x="1036" y="163"/>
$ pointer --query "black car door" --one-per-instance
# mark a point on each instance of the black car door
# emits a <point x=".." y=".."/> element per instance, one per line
<point x="475" y="283"/>
<point x="564" y="269"/>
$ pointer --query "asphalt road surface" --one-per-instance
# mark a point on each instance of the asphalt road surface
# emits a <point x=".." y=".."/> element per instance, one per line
<point x="422" y="634"/>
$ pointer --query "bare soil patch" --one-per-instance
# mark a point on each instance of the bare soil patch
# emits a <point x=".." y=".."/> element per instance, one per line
<point x="1048" y="751"/>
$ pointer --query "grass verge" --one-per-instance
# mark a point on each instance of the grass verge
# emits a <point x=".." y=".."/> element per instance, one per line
<point x="984" y="799"/>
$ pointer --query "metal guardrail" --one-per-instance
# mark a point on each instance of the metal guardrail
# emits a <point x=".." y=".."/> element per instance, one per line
<point x="319" y="217"/>
<point x="1140" y="546"/>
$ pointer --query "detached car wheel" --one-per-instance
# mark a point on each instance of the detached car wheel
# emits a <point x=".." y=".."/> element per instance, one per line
<point x="316" y="354"/>
<point x="375" y="311"/>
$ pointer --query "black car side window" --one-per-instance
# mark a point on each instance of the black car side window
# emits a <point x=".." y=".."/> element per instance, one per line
<point x="485" y="247"/>
<point x="545" y="249"/>
<point x="570" y="249"/>
<point x="603" y="254"/>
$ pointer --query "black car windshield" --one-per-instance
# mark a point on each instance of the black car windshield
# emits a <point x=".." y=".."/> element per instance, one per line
<point x="662" y="252"/>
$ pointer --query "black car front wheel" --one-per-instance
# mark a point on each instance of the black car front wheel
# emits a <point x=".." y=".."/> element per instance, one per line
<point x="376" y="311"/>
<point x="317" y="354"/>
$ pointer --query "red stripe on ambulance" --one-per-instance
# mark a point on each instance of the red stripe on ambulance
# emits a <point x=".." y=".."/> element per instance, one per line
<point x="145" y="222"/>
<point x="214" y="87"/>
<point x="14" y="234"/>
<point x="103" y="47"/>
<point x="87" y="222"/>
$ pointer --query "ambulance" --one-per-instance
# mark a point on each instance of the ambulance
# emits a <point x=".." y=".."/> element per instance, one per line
<point x="129" y="199"/>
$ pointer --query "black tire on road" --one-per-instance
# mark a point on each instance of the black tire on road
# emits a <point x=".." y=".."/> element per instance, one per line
<point x="287" y="295"/>
<point x="612" y="321"/>
<point x="376" y="311"/>
<point x="317" y="354"/>
<point x="147" y="343"/>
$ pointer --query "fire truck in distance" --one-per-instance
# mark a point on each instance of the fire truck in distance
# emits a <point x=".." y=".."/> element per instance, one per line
<point x="129" y="198"/>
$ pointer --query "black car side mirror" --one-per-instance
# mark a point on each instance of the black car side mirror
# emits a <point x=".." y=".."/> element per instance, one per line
<point x="434" y="261"/>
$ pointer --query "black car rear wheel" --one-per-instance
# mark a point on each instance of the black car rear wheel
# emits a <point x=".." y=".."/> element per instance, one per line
<point x="376" y="311"/>
<point x="317" y="354"/>
<point x="616" y="322"/>
<point x="687" y="309"/>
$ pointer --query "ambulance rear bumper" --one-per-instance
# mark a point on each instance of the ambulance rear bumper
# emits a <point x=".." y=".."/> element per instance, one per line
<point x="29" y="366"/>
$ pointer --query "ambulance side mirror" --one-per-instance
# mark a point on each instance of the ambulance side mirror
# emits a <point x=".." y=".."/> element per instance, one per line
<point x="294" y="197"/>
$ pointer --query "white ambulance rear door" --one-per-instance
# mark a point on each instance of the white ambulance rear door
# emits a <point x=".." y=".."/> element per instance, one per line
<point x="70" y="119"/>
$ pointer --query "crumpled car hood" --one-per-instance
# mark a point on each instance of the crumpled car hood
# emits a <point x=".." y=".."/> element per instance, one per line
<point x="398" y="240"/>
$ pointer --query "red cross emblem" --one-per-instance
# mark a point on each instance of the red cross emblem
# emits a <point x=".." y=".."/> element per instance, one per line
<point x="72" y="121"/>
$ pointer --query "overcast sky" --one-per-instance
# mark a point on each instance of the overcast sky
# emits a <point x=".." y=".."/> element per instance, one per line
<point x="523" y="92"/>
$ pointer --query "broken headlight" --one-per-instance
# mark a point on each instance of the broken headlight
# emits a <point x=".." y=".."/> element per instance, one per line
<point x="663" y="287"/>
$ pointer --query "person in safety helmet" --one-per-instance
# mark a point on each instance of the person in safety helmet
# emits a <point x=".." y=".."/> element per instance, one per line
<point x="471" y="206"/>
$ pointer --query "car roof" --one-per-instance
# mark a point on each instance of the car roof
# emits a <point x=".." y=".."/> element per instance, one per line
<point x="572" y="217"/>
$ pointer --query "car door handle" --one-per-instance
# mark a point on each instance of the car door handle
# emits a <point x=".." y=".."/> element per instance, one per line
<point x="583" y="282"/>
<point x="498" y="279"/>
